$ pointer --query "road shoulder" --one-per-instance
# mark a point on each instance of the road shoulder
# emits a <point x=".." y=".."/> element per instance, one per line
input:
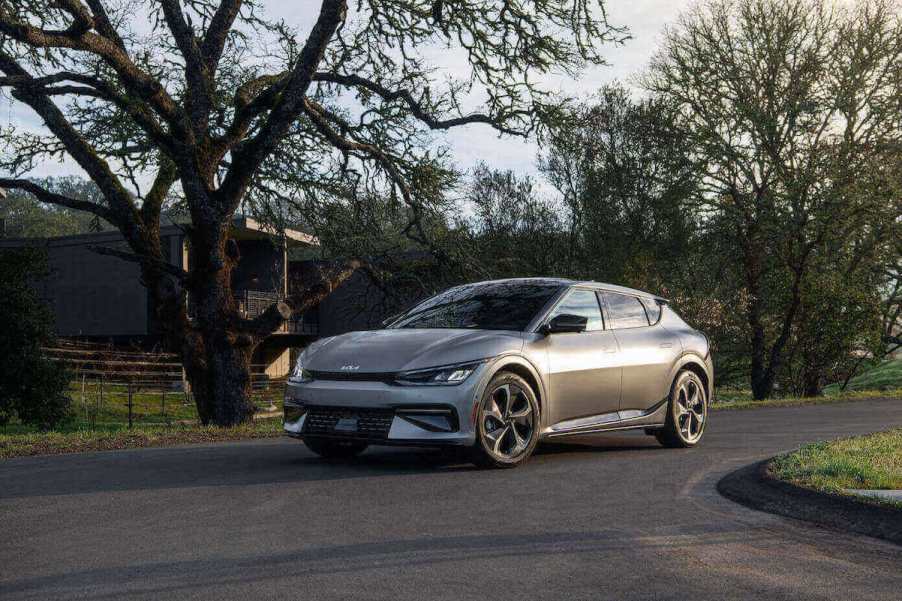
<point x="753" y="486"/>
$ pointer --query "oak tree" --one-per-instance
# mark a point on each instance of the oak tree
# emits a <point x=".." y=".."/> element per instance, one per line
<point x="212" y="102"/>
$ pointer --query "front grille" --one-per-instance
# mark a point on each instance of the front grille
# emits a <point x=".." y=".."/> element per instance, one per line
<point x="372" y="424"/>
<point x="353" y="376"/>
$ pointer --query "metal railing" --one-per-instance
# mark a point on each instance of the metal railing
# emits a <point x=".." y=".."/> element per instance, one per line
<point x="251" y="303"/>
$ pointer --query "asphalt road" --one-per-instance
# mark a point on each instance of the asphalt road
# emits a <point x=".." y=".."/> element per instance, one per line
<point x="618" y="519"/>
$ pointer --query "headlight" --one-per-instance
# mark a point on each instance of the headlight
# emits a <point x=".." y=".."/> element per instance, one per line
<point x="448" y="375"/>
<point x="299" y="375"/>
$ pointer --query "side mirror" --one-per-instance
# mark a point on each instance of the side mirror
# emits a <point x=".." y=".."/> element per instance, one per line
<point x="565" y="323"/>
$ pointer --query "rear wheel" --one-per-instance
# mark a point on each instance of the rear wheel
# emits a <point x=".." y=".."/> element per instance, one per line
<point x="687" y="412"/>
<point x="335" y="449"/>
<point x="507" y="423"/>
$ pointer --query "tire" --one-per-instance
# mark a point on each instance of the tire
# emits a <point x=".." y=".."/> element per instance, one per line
<point x="507" y="423"/>
<point x="686" y="418"/>
<point x="335" y="449"/>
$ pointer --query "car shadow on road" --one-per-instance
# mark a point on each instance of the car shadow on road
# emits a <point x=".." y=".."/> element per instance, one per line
<point x="246" y="464"/>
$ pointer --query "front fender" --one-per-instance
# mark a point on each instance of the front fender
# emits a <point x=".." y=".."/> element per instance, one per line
<point x="520" y="365"/>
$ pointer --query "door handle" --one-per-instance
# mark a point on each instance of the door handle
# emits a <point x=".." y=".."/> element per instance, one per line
<point x="609" y="349"/>
<point x="666" y="344"/>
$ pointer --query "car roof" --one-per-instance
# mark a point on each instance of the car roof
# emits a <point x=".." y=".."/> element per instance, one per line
<point x="576" y="283"/>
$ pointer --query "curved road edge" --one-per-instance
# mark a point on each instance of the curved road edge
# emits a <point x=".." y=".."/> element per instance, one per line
<point x="754" y="487"/>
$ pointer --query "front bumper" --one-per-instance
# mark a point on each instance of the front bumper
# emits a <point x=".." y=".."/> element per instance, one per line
<point x="383" y="413"/>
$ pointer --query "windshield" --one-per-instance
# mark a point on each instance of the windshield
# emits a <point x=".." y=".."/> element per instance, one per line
<point x="491" y="306"/>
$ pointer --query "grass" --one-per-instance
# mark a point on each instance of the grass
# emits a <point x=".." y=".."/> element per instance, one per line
<point x="158" y="420"/>
<point x="148" y="407"/>
<point x="75" y="440"/>
<point x="886" y="376"/>
<point x="864" y="462"/>
<point x="727" y="399"/>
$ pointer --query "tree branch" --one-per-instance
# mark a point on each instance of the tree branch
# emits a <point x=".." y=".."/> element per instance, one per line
<point x="248" y="156"/>
<point x="218" y="32"/>
<point x="110" y="50"/>
<point x="103" y="24"/>
<point x="416" y="109"/>
<point x="53" y="198"/>
<point x="153" y="201"/>
<point x="96" y="88"/>
<point x="198" y="78"/>
<point x="160" y="264"/>
<point x="318" y="117"/>
<point x="122" y="209"/>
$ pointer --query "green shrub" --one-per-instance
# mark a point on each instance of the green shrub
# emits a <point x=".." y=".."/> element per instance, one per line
<point x="32" y="387"/>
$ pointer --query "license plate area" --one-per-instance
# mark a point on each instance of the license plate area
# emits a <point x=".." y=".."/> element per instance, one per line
<point x="349" y="422"/>
<point x="346" y="424"/>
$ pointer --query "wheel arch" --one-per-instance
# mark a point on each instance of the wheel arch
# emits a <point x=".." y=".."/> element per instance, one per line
<point x="524" y="369"/>
<point x="696" y="365"/>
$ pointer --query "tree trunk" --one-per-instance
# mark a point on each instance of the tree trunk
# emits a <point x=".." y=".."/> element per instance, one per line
<point x="218" y="348"/>
<point x="218" y="367"/>
<point x="215" y="342"/>
<point x="762" y="380"/>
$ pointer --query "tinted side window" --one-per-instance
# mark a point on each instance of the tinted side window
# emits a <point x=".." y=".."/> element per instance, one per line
<point x="652" y="309"/>
<point x="582" y="303"/>
<point x="625" y="311"/>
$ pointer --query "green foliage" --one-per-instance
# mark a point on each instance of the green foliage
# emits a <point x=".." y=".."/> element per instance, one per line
<point x="790" y="109"/>
<point x="838" y="324"/>
<point x="621" y="169"/>
<point x="32" y="388"/>
<point x="512" y="231"/>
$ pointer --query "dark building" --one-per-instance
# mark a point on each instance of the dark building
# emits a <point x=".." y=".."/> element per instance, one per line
<point x="364" y="301"/>
<point x="100" y="297"/>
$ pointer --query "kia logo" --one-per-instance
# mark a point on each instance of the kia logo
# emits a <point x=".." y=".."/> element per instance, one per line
<point x="350" y="367"/>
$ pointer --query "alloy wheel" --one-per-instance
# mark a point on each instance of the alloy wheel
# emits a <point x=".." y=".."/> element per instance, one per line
<point x="691" y="410"/>
<point x="508" y="421"/>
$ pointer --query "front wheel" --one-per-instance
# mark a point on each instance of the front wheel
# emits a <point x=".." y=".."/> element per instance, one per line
<point x="687" y="412"/>
<point x="507" y="423"/>
<point x="335" y="449"/>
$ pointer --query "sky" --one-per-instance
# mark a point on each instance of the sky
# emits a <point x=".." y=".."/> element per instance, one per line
<point x="646" y="20"/>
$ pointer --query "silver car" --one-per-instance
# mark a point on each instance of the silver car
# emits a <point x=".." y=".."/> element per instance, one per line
<point x="496" y="367"/>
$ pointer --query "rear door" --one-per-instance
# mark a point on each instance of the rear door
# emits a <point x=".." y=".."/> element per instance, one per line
<point x="647" y="350"/>
<point x="584" y="372"/>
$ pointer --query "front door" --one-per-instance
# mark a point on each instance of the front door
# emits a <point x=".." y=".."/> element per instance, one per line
<point x="583" y="367"/>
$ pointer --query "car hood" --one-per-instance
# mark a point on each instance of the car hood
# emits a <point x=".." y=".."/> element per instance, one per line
<point x="403" y="349"/>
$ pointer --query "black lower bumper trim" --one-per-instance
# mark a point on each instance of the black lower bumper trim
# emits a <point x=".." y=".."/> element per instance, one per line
<point x="383" y="442"/>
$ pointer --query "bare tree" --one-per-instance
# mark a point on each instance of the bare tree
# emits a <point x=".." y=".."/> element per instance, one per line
<point x="208" y="100"/>
<point x="788" y="103"/>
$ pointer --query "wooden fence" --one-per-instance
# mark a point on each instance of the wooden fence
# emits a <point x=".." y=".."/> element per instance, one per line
<point x="112" y="385"/>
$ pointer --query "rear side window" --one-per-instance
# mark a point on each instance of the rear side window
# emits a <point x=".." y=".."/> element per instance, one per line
<point x="652" y="309"/>
<point x="625" y="311"/>
<point x="582" y="303"/>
